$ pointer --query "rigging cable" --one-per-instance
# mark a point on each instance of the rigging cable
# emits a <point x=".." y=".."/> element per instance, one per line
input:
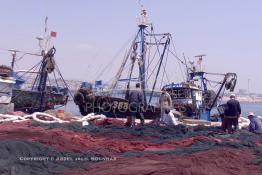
<point x="60" y="74"/>
<point x="112" y="60"/>
<point x="183" y="73"/>
<point x="55" y="78"/>
<point x="157" y="51"/>
<point x="33" y="68"/>
<point x="164" y="71"/>
<point x="124" y="61"/>
<point x="162" y="79"/>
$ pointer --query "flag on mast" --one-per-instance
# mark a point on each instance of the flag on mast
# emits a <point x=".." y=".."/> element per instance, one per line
<point x="53" y="34"/>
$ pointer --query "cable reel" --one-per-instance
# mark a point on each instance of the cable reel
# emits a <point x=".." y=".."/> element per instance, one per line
<point x="230" y="85"/>
<point x="49" y="59"/>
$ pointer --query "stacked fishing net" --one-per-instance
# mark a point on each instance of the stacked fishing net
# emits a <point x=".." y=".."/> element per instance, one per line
<point x="153" y="149"/>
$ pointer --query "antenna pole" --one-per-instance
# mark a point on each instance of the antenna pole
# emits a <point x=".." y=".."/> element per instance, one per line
<point x="200" y="72"/>
<point x="13" y="59"/>
<point x="187" y="69"/>
<point x="248" y="87"/>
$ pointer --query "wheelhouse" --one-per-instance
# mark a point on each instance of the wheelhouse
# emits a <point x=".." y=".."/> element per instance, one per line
<point x="186" y="97"/>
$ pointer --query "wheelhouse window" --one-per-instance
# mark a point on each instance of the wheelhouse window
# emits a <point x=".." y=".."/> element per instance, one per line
<point x="180" y="93"/>
<point x="197" y="95"/>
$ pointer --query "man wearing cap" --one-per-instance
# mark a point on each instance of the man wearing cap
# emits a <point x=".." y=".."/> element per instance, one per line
<point x="255" y="125"/>
<point x="232" y="113"/>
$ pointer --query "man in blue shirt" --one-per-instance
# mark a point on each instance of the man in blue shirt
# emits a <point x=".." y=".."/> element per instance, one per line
<point x="255" y="123"/>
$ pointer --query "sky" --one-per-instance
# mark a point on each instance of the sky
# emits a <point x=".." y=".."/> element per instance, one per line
<point x="90" y="33"/>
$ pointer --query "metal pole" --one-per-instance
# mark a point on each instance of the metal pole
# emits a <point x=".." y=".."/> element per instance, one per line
<point x="248" y="90"/>
<point x="13" y="60"/>
<point x="158" y="70"/>
<point x="42" y="85"/>
<point x="142" y="63"/>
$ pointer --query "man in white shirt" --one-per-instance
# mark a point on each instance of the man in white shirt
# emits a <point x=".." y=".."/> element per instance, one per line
<point x="168" y="118"/>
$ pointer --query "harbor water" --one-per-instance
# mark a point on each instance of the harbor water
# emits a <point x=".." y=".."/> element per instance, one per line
<point x="246" y="107"/>
<point x="251" y="107"/>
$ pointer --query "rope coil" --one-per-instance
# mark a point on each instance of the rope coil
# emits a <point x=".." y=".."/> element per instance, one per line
<point x="48" y="119"/>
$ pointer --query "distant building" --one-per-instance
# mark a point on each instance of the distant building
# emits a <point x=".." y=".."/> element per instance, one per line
<point x="242" y="91"/>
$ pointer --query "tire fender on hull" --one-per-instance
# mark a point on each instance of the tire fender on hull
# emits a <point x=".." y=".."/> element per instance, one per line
<point x="79" y="98"/>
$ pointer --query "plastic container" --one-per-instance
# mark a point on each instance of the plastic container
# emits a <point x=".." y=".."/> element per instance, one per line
<point x="61" y="114"/>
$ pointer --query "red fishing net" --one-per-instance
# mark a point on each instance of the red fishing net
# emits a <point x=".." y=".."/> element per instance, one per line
<point x="152" y="150"/>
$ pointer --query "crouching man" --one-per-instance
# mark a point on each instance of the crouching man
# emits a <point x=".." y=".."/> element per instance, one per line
<point x="255" y="125"/>
<point x="168" y="118"/>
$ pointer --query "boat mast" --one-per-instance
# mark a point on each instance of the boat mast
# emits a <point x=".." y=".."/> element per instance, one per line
<point x="142" y="70"/>
<point x="138" y="40"/>
<point x="43" y="76"/>
<point x="46" y="54"/>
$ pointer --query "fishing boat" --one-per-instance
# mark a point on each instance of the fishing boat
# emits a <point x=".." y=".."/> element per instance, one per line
<point x="6" y="85"/>
<point x="192" y="98"/>
<point x="139" y="67"/>
<point x="38" y="88"/>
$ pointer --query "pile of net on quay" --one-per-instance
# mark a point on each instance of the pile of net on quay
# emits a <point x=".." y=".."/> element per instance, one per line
<point x="49" y="143"/>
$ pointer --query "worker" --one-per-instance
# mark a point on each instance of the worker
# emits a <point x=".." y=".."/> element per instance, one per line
<point x="255" y="125"/>
<point x="136" y="103"/>
<point x="165" y="102"/>
<point x="232" y="113"/>
<point x="168" y="118"/>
